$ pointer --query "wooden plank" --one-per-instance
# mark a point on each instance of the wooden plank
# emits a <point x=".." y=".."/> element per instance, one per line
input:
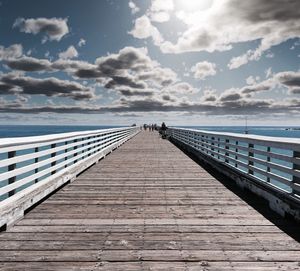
<point x="148" y="255"/>
<point x="138" y="266"/>
<point x="147" y="206"/>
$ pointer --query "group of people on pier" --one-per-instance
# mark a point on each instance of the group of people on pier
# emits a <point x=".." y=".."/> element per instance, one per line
<point x="154" y="127"/>
<point x="150" y="127"/>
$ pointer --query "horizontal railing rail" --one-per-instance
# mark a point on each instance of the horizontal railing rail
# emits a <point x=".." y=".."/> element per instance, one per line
<point x="27" y="161"/>
<point x="273" y="161"/>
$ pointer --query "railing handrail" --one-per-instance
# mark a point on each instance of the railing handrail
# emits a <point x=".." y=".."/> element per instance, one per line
<point x="273" y="139"/>
<point x="17" y="141"/>
<point x="28" y="160"/>
<point x="273" y="161"/>
<point x="34" y="167"/>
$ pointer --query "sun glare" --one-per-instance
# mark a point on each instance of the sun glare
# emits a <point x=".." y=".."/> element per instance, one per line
<point x="193" y="5"/>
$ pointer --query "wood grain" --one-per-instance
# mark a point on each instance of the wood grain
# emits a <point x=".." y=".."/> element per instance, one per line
<point x="147" y="206"/>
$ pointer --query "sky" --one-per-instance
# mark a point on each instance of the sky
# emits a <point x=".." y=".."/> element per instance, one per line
<point x="119" y="62"/>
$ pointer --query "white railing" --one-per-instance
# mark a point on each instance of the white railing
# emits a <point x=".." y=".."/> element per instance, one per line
<point x="27" y="161"/>
<point x="273" y="161"/>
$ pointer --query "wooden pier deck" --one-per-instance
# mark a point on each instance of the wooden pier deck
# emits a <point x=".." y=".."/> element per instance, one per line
<point x="146" y="206"/>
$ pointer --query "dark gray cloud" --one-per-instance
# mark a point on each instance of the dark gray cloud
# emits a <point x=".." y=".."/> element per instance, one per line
<point x="71" y="65"/>
<point x="164" y="104"/>
<point x="29" y="64"/>
<point x="53" y="28"/>
<point x="262" y="11"/>
<point x="131" y="68"/>
<point x="131" y="92"/>
<point x="230" y="96"/>
<point x="128" y="58"/>
<point x="121" y="81"/>
<point x="295" y="90"/>
<point x="128" y="68"/>
<point x="289" y="78"/>
<point x="263" y="86"/>
<point x="6" y="89"/>
<point x="48" y="87"/>
<point x="88" y="73"/>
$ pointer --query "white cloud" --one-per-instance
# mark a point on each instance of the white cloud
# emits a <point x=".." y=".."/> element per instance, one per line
<point x="53" y="28"/>
<point x="144" y="29"/>
<point x="134" y="8"/>
<point x="268" y="72"/>
<point x="13" y="51"/>
<point x="81" y="42"/>
<point x="203" y="69"/>
<point x="182" y="88"/>
<point x="70" y="53"/>
<point x="209" y="96"/>
<point x="270" y="55"/>
<point x="160" y="17"/>
<point x="230" y="22"/>
<point x="252" y="80"/>
<point x="159" y="10"/>
<point x="239" y="61"/>
<point x="162" y="5"/>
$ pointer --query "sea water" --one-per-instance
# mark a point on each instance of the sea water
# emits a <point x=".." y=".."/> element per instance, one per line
<point x="35" y="130"/>
<point x="277" y="131"/>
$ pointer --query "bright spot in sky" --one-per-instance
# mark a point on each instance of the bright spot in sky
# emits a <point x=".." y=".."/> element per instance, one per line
<point x="193" y="5"/>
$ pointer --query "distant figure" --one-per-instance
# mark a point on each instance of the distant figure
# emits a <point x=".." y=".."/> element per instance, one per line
<point x="163" y="129"/>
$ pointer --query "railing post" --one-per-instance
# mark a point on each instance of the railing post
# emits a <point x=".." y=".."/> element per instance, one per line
<point x="236" y="151"/>
<point x="75" y="147"/>
<point x="206" y="141"/>
<point x="296" y="180"/>
<point x="218" y="148"/>
<point x="226" y="148"/>
<point x="35" y="161"/>
<point x="53" y="154"/>
<point x="268" y="160"/>
<point x="88" y="145"/>
<point x="250" y="154"/>
<point x="83" y="146"/>
<point x="212" y="146"/>
<point x="11" y="167"/>
<point x="66" y="150"/>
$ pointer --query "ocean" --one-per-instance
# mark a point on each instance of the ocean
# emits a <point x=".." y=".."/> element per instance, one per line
<point x="277" y="131"/>
<point x="35" y="130"/>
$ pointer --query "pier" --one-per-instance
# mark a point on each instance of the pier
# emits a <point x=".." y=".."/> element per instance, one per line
<point x="125" y="199"/>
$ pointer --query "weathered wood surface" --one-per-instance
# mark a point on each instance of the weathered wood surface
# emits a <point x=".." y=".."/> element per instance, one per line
<point x="147" y="206"/>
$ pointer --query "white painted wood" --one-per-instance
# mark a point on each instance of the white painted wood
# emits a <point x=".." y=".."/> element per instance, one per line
<point x="12" y="208"/>
<point x="46" y="171"/>
<point x="48" y="161"/>
<point x="236" y="150"/>
<point x="22" y="143"/>
<point x="81" y="145"/>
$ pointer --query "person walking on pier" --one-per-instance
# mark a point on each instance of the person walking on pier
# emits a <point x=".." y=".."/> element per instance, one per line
<point x="163" y="129"/>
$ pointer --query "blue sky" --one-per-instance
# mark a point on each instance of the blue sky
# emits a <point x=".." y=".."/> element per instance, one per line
<point x="185" y="62"/>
